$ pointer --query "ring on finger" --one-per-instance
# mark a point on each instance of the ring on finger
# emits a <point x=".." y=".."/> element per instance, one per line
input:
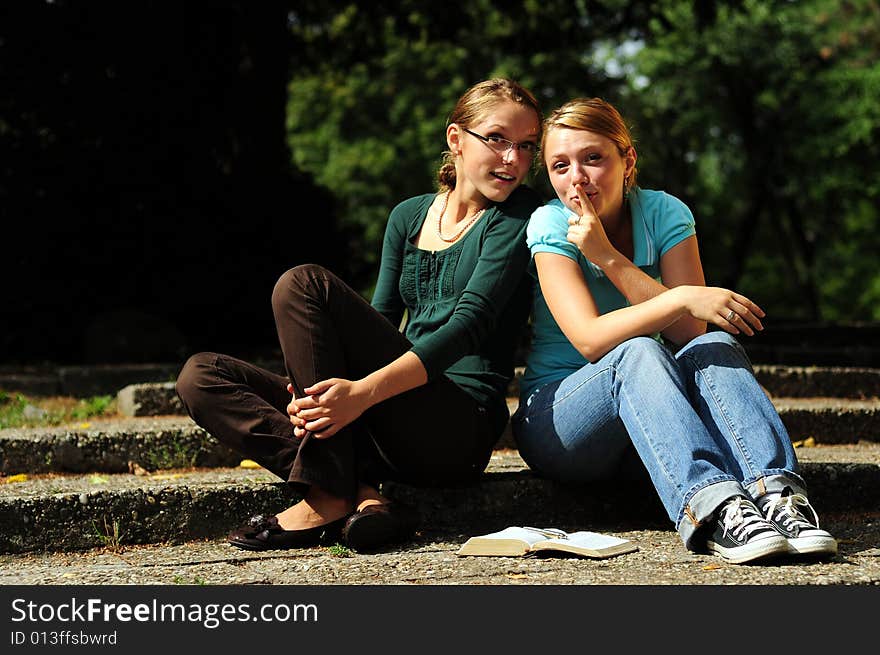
<point x="731" y="316"/>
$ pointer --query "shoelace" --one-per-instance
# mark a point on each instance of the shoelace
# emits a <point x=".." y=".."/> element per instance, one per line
<point x="742" y="517"/>
<point x="789" y="513"/>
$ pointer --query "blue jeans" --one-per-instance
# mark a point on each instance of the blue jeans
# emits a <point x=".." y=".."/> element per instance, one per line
<point x="699" y="421"/>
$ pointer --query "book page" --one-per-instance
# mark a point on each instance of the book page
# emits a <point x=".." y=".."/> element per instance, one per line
<point x="531" y="537"/>
<point x="510" y="542"/>
<point x="590" y="544"/>
<point x="518" y="541"/>
<point x="594" y="540"/>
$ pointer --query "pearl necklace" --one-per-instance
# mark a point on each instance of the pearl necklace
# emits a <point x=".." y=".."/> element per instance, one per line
<point x="454" y="237"/>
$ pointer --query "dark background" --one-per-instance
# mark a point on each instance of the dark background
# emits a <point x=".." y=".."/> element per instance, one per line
<point x="148" y="201"/>
<point x="149" y="198"/>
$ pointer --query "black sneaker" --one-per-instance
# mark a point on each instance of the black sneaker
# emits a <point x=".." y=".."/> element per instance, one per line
<point x="742" y="534"/>
<point x="784" y="511"/>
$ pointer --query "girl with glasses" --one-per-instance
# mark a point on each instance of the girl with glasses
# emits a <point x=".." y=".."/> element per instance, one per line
<point x="364" y="400"/>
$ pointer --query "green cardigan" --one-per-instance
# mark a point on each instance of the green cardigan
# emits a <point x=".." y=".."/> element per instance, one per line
<point x="467" y="305"/>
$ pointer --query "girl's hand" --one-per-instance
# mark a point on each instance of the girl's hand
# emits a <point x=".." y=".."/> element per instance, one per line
<point x="588" y="234"/>
<point x="329" y="406"/>
<point x="727" y="309"/>
<point x="292" y="410"/>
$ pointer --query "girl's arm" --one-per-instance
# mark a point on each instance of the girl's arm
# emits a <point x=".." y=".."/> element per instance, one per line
<point x="334" y="403"/>
<point x="678" y="266"/>
<point x="593" y="335"/>
<point x="386" y="297"/>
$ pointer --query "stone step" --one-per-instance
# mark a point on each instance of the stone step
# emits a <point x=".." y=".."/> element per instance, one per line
<point x="158" y="442"/>
<point x="429" y="560"/>
<point x="83" y="381"/>
<point x="853" y="380"/>
<point x="824" y="420"/>
<point x="798" y="381"/>
<point x="830" y="420"/>
<point x="801" y="343"/>
<point x="112" y="446"/>
<point x="819" y="381"/>
<point x="159" y="398"/>
<point x="58" y="512"/>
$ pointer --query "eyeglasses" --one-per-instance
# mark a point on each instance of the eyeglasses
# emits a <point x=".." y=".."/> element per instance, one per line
<point x="502" y="146"/>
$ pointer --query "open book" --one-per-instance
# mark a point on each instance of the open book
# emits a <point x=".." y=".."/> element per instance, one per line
<point x="516" y="542"/>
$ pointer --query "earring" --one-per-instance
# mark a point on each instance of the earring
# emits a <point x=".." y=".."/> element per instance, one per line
<point x="625" y="187"/>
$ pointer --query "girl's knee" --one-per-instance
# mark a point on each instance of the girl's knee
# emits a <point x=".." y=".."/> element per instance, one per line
<point x="643" y="347"/>
<point x="715" y="347"/>
<point x="717" y="337"/>
<point x="193" y="375"/>
<point x="296" y="280"/>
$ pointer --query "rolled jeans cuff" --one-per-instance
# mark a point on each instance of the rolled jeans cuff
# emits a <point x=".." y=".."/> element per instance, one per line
<point x="704" y="501"/>
<point x="774" y="481"/>
<point x="701" y="505"/>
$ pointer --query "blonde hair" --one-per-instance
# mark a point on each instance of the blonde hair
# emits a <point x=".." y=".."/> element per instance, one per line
<point x="473" y="106"/>
<point x="593" y="115"/>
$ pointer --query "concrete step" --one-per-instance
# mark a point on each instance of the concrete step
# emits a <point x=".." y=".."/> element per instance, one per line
<point x="824" y="420"/>
<point x="159" y="398"/>
<point x="802" y="343"/>
<point x="73" y="512"/>
<point x="430" y="559"/>
<point x="157" y="442"/>
<point x="112" y="446"/>
<point x="830" y="420"/>
<point x="819" y="381"/>
<point x="83" y="381"/>
<point x="798" y="381"/>
<point x="784" y="380"/>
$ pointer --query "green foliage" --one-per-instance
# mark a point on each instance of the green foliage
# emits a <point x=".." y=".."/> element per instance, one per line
<point x="110" y="534"/>
<point x="765" y="121"/>
<point x="372" y="87"/>
<point x="339" y="550"/>
<point x="762" y="115"/>
<point x="93" y="407"/>
<point x="173" y="455"/>
<point x="18" y="410"/>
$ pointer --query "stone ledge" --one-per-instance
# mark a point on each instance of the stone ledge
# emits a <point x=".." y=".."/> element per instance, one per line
<point x="76" y="512"/>
<point x="151" y="399"/>
<point x="112" y="446"/>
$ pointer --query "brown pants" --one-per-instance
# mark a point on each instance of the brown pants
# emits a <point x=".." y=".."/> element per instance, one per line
<point x="433" y="435"/>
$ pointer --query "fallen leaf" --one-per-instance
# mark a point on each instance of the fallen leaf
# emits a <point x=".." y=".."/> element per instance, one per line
<point x="97" y="479"/>
<point x="249" y="464"/>
<point x="20" y="477"/>
<point x="167" y="476"/>
<point x="517" y="576"/>
<point x="809" y="442"/>
<point x="85" y="425"/>
<point x="711" y="567"/>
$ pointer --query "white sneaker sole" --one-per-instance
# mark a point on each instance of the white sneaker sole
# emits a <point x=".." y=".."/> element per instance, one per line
<point x="816" y="545"/>
<point x="749" y="552"/>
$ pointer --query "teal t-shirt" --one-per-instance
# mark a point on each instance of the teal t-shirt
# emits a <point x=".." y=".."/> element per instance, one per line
<point x="659" y="222"/>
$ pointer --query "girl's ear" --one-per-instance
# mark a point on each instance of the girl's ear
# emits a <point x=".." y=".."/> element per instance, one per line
<point x="453" y="138"/>
<point x="629" y="161"/>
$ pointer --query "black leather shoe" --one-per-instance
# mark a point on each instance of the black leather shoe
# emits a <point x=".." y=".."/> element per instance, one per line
<point x="262" y="533"/>
<point x="379" y="525"/>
